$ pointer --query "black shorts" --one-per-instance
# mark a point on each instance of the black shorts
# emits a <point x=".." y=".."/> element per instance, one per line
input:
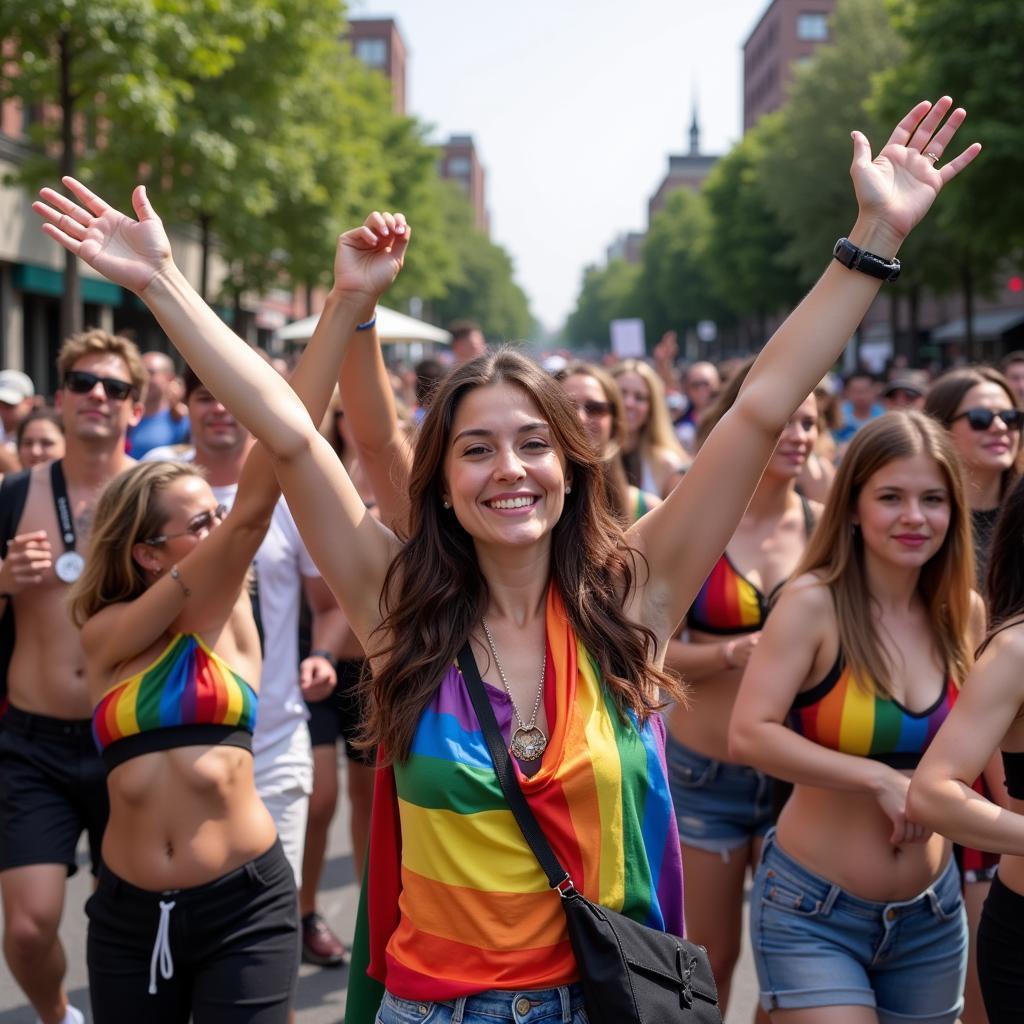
<point x="53" y="786"/>
<point x="1001" y="954"/>
<point x="226" y="952"/>
<point x="340" y="715"/>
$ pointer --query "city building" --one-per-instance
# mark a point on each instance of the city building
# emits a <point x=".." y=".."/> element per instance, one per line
<point x="787" y="34"/>
<point x="685" y="170"/>
<point x="379" y="45"/>
<point x="460" y="163"/>
<point x="629" y="246"/>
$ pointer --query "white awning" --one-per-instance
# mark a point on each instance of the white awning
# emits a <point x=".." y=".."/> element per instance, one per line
<point x="391" y="327"/>
<point x="990" y="324"/>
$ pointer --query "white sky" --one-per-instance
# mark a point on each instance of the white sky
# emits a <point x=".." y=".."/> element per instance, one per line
<point x="574" y="106"/>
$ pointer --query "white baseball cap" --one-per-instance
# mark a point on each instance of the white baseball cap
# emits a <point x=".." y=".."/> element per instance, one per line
<point x="15" y="387"/>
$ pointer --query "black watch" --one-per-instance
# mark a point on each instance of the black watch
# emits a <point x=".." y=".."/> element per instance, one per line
<point x="866" y="262"/>
<point x="320" y="652"/>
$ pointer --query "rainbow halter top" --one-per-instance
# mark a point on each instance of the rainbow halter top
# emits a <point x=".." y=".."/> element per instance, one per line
<point x="187" y="697"/>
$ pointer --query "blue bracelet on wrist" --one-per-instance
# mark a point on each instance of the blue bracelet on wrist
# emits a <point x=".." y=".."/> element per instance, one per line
<point x="369" y="323"/>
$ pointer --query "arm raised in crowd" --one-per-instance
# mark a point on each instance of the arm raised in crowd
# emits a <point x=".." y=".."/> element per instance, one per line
<point x="679" y="539"/>
<point x="350" y="547"/>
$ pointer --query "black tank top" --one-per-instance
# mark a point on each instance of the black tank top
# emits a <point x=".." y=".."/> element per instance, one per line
<point x="1013" y="766"/>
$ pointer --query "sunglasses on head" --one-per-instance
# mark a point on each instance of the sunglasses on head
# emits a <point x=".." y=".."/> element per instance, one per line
<point x="203" y="521"/>
<point x="81" y="382"/>
<point x="981" y="418"/>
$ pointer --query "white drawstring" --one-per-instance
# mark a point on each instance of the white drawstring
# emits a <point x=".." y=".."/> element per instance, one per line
<point x="162" y="948"/>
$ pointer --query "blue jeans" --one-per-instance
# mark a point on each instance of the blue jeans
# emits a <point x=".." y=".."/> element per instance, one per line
<point x="562" y="1005"/>
<point x="719" y="806"/>
<point x="817" y="945"/>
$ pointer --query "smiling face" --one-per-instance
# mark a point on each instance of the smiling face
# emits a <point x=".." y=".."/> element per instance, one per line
<point x="904" y="510"/>
<point x="503" y="474"/>
<point x="984" y="451"/>
<point x="214" y="429"/>
<point x="636" y="400"/>
<point x="796" y="443"/>
<point x="592" y="406"/>
<point x="40" y="441"/>
<point x="188" y="505"/>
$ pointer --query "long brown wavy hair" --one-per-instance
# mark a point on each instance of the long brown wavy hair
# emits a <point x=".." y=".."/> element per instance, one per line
<point x="946" y="394"/>
<point x="835" y="552"/>
<point x="434" y="593"/>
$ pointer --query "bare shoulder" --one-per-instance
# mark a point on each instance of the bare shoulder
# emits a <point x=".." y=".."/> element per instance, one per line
<point x="1007" y="647"/>
<point x="817" y="509"/>
<point x="807" y="593"/>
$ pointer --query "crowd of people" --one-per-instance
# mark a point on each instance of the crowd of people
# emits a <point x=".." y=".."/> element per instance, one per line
<point x="727" y="617"/>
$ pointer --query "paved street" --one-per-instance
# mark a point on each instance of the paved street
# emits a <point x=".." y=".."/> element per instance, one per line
<point x="321" y="993"/>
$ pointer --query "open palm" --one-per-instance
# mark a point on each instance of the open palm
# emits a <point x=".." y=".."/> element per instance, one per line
<point x="899" y="185"/>
<point x="128" y="252"/>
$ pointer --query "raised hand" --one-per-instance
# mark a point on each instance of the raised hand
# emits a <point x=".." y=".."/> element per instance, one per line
<point x="29" y="555"/>
<point x="369" y="257"/>
<point x="125" y="251"/>
<point x="899" y="185"/>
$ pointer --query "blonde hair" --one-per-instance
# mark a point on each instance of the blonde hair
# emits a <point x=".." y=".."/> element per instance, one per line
<point x="129" y="511"/>
<point x="835" y="552"/>
<point x="657" y="433"/>
<point x="96" y="341"/>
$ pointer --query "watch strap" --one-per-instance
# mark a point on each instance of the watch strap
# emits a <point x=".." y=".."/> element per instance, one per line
<point x="869" y="263"/>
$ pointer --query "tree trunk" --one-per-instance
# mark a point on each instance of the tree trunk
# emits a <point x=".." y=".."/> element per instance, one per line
<point x="309" y="299"/>
<point x="71" y="296"/>
<point x="967" y="280"/>
<point x="914" y="311"/>
<point x="205" y="242"/>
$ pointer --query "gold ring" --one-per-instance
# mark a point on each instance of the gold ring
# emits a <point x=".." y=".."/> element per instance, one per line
<point x="932" y="156"/>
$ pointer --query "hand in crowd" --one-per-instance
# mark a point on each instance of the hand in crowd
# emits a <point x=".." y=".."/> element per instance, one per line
<point x="737" y="651"/>
<point x="891" y="794"/>
<point x="317" y="678"/>
<point x="29" y="555"/>
<point x="369" y="258"/>
<point x="898" y="186"/>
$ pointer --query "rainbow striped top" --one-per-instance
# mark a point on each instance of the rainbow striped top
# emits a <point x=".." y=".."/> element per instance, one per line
<point x="727" y="602"/>
<point x="187" y="697"/>
<point x="456" y="901"/>
<point x="842" y="714"/>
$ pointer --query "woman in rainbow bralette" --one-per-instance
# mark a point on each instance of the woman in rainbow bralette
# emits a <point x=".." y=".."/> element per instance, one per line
<point x="195" y="915"/>
<point x="856" y="913"/>
<point x="511" y="547"/>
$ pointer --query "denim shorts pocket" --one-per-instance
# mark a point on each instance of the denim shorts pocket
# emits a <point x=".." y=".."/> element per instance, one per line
<point x="405" y="1011"/>
<point x="948" y="905"/>
<point x="782" y="894"/>
<point x="690" y="771"/>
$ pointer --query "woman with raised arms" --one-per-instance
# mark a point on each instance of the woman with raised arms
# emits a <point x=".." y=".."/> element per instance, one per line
<point x="512" y="547"/>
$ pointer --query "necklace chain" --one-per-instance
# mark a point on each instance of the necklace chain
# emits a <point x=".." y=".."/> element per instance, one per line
<point x="504" y="682"/>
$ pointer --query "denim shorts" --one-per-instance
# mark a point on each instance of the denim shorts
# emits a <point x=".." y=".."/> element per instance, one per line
<point x="816" y="945"/>
<point x="719" y="806"/>
<point x="562" y="1005"/>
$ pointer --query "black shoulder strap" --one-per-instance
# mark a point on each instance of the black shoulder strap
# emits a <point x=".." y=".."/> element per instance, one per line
<point x="809" y="522"/>
<point x="13" y="495"/>
<point x="557" y="875"/>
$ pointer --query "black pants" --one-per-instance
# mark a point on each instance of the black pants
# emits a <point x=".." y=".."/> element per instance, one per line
<point x="1001" y="954"/>
<point x="222" y="953"/>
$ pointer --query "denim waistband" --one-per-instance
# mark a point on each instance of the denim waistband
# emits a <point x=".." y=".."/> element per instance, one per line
<point x="257" y="869"/>
<point x="676" y="751"/>
<point x="776" y="862"/>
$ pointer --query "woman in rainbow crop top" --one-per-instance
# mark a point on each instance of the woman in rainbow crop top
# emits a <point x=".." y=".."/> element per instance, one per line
<point x="195" y="914"/>
<point x="512" y="548"/>
<point x="988" y="716"/>
<point x="856" y="912"/>
<point x="723" y="809"/>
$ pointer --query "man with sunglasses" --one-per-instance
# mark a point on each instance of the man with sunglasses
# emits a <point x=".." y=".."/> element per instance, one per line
<point x="284" y="574"/>
<point x="52" y="781"/>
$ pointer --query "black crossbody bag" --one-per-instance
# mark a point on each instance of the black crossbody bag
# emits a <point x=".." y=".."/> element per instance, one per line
<point x="629" y="973"/>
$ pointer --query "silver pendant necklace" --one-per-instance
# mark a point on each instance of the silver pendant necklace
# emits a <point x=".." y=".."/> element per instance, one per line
<point x="528" y="741"/>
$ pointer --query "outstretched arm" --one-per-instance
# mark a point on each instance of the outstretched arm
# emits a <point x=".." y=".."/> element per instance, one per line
<point x="894" y="191"/>
<point x="987" y="710"/>
<point x="352" y="549"/>
<point x="384" y="451"/>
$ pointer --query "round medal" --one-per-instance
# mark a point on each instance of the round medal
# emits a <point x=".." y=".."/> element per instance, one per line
<point x="69" y="566"/>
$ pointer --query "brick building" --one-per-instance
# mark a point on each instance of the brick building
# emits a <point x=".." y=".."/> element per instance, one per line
<point x="460" y="163"/>
<point x="685" y="170"/>
<point x="379" y="45"/>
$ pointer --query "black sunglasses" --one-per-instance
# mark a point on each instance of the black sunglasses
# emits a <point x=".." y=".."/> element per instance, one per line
<point x="203" y="521"/>
<point x="981" y="418"/>
<point x="596" y="408"/>
<point x="81" y="382"/>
